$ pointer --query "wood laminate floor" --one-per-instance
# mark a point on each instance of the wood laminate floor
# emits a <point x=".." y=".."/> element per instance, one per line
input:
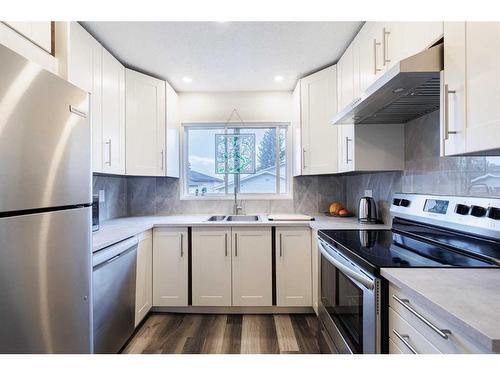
<point x="226" y="334"/>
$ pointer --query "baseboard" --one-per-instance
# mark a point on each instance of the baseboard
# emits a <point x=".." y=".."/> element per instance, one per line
<point x="233" y="310"/>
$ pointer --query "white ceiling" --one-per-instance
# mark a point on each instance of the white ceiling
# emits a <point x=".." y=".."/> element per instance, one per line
<point x="226" y="56"/>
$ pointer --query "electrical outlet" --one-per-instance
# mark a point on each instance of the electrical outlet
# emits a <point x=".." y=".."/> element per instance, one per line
<point x="368" y="193"/>
<point x="102" y="196"/>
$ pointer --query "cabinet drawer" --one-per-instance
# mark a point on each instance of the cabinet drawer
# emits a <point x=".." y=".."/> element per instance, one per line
<point x="408" y="339"/>
<point x="455" y="342"/>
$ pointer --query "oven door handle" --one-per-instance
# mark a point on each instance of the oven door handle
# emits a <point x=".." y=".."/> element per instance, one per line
<point x="367" y="283"/>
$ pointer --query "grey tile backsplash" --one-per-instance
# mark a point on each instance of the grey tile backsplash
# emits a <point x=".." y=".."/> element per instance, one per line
<point x="425" y="172"/>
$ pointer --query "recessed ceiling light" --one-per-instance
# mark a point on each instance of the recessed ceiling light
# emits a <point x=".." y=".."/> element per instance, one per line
<point x="187" y="79"/>
<point x="278" y="78"/>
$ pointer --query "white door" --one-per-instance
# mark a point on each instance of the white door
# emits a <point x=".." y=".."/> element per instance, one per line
<point x="252" y="266"/>
<point x="293" y="266"/>
<point x="144" y="276"/>
<point x="454" y="89"/>
<point x="113" y="114"/>
<point x="319" y="137"/>
<point x="345" y="79"/>
<point x="145" y="124"/>
<point x="211" y="266"/>
<point x="370" y="54"/>
<point x="173" y="133"/>
<point x="483" y="86"/>
<point x="346" y="148"/>
<point x="38" y="32"/>
<point x="170" y="267"/>
<point x="84" y="69"/>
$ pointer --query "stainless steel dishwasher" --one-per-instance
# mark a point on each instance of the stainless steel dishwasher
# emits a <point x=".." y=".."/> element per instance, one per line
<point x="113" y="277"/>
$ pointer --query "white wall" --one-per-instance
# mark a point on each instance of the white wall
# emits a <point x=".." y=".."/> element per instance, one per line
<point x="253" y="106"/>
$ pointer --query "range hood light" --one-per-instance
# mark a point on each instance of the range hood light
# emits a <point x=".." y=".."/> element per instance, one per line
<point x="399" y="89"/>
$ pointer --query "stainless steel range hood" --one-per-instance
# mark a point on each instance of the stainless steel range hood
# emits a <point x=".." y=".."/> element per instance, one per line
<point x="408" y="90"/>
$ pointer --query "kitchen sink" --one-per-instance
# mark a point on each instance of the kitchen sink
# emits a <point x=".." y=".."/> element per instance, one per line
<point x="217" y="218"/>
<point x="242" y="218"/>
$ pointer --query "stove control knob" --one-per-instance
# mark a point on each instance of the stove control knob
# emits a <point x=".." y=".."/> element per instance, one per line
<point x="462" y="209"/>
<point x="494" y="213"/>
<point x="396" y="201"/>
<point x="404" y="202"/>
<point x="477" y="211"/>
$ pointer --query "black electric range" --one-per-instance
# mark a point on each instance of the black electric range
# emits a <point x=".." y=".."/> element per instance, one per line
<point x="410" y="244"/>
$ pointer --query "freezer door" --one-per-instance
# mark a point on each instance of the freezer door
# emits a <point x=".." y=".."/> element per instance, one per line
<point x="45" y="276"/>
<point x="44" y="138"/>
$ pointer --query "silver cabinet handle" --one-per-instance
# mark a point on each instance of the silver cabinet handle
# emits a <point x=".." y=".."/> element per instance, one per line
<point x="347" y="140"/>
<point x="225" y="242"/>
<point x="182" y="245"/>
<point x="281" y="244"/>
<point x="404" y="339"/>
<point x="385" y="34"/>
<point x="375" y="69"/>
<point x="443" y="333"/>
<point x="108" y="142"/>
<point x="447" y="131"/>
<point x="304" y="158"/>
<point x="162" y="159"/>
<point x="236" y="244"/>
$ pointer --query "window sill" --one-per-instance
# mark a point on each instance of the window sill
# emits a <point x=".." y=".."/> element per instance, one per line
<point x="241" y="197"/>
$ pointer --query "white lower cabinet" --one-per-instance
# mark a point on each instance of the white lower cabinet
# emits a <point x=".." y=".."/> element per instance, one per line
<point x="170" y="267"/>
<point x="144" y="276"/>
<point x="211" y="266"/>
<point x="293" y="266"/>
<point x="316" y="264"/>
<point x="252" y="267"/>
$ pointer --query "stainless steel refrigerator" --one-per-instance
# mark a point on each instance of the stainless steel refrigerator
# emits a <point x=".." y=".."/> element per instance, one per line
<point x="45" y="211"/>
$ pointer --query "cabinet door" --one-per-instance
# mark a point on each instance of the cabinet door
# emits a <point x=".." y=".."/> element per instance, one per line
<point x="252" y="267"/>
<point x="370" y="54"/>
<point x="84" y="69"/>
<point x="346" y="148"/>
<point x="38" y="32"/>
<point x="173" y="133"/>
<point x="297" y="132"/>
<point x="113" y="114"/>
<point x="145" y="125"/>
<point x="170" y="267"/>
<point x="319" y="137"/>
<point x="483" y="86"/>
<point x="345" y="79"/>
<point x="293" y="267"/>
<point x="211" y="266"/>
<point x="404" y="39"/>
<point x="454" y="90"/>
<point x="316" y="264"/>
<point x="144" y="276"/>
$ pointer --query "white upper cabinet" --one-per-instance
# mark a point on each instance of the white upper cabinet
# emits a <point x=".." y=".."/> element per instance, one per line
<point x="173" y="123"/>
<point x="318" y="104"/>
<point x="145" y="125"/>
<point x="170" y="267"/>
<point x="471" y="115"/>
<point x="293" y="266"/>
<point x="113" y="114"/>
<point x="32" y="40"/>
<point x="345" y="78"/>
<point x="296" y="132"/>
<point x="84" y="69"/>
<point x="252" y="267"/>
<point x="39" y="33"/>
<point x="346" y="148"/>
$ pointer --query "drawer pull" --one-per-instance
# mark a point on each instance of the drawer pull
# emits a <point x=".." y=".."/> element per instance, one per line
<point x="404" y="339"/>
<point x="443" y="333"/>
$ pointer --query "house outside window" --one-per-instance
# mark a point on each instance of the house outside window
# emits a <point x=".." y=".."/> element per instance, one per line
<point x="272" y="172"/>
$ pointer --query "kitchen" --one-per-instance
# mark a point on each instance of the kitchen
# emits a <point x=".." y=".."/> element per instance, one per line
<point x="352" y="166"/>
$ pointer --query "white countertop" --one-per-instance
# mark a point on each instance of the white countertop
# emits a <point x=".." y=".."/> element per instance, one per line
<point x="115" y="230"/>
<point x="469" y="298"/>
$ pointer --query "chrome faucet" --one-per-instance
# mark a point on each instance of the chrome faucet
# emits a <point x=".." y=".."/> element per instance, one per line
<point x="236" y="207"/>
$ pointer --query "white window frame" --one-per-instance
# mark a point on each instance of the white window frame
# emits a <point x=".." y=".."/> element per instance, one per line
<point x="229" y="195"/>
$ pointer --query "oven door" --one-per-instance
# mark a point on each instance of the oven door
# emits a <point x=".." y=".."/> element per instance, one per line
<point x="349" y="303"/>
